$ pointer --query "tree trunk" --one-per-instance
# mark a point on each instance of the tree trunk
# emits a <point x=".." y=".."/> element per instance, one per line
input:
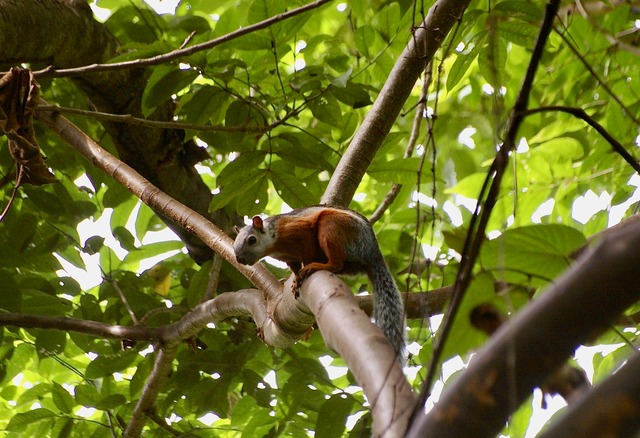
<point x="64" y="34"/>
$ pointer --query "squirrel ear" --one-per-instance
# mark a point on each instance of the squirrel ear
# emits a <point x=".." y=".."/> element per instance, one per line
<point x="257" y="223"/>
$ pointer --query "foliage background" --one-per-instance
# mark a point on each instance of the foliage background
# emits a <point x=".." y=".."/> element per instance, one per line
<point x="290" y="98"/>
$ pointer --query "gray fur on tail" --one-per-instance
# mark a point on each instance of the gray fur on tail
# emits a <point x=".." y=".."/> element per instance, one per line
<point x="388" y="309"/>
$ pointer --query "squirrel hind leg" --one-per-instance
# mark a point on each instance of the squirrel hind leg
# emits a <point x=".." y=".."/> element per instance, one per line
<point x="331" y="241"/>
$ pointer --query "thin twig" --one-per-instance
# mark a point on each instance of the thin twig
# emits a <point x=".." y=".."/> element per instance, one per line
<point x="593" y="73"/>
<point x="614" y="40"/>
<point x="127" y="306"/>
<point x="582" y="114"/>
<point x="13" y="192"/>
<point x="131" y="120"/>
<point x="134" y="333"/>
<point x="180" y="53"/>
<point x="487" y="199"/>
<point x="411" y="144"/>
<point x="160" y="373"/>
<point x="153" y="416"/>
<point x="214" y="277"/>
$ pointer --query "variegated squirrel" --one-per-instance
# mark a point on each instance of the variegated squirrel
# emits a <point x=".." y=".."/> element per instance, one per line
<point x="328" y="238"/>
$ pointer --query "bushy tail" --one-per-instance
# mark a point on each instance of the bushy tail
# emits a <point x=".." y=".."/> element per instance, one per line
<point x="388" y="309"/>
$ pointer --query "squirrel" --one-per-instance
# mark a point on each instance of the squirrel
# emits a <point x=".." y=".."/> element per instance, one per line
<point x="328" y="238"/>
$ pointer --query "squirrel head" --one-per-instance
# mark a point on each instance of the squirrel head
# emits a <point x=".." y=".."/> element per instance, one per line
<point x="251" y="242"/>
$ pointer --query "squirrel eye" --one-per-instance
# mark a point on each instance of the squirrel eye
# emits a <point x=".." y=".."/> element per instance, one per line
<point x="252" y="240"/>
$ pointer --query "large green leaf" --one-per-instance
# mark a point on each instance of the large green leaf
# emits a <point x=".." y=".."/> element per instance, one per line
<point x="20" y="421"/>
<point x="535" y="251"/>
<point x="290" y="188"/>
<point x="62" y="399"/>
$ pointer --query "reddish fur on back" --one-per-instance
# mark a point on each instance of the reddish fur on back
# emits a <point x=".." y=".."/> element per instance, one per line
<point x="317" y="243"/>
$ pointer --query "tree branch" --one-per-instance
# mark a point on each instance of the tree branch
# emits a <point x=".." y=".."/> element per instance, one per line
<point x="612" y="408"/>
<point x="159" y="124"/>
<point x="525" y="351"/>
<point x="134" y="333"/>
<point x="180" y="53"/>
<point x="161" y="370"/>
<point x="182" y="215"/>
<point x="582" y="114"/>
<point x="488" y="197"/>
<point x="368" y="354"/>
<point x="423" y="45"/>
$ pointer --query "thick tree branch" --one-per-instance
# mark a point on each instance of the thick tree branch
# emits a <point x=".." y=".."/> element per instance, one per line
<point x="526" y="350"/>
<point x="180" y="214"/>
<point x="612" y="408"/>
<point x="423" y="45"/>
<point x="368" y="353"/>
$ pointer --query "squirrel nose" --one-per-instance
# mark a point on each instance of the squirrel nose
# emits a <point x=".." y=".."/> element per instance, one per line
<point x="242" y="259"/>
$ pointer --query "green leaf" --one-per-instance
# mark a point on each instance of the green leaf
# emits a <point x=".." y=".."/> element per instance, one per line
<point x="326" y="109"/>
<point x="241" y="113"/>
<point x="20" y="359"/>
<point x="460" y="67"/>
<point x="539" y="251"/>
<point x="363" y="37"/>
<point x="62" y="399"/>
<point x="205" y="104"/>
<point x="401" y="170"/>
<point x="198" y="284"/>
<point x="491" y="61"/>
<point x="565" y="147"/>
<point x="237" y="169"/>
<point x="333" y="415"/>
<point x="298" y="151"/>
<point x="255" y="420"/>
<point x="20" y="421"/>
<point x="62" y="428"/>
<point x="469" y="187"/>
<point x="165" y="81"/>
<point x="50" y="342"/>
<point x="149" y="250"/>
<point x="111" y="402"/>
<point x="354" y="95"/>
<point x="290" y="188"/>
<point x="35" y="393"/>
<point x="523" y="10"/>
<point x="106" y="365"/>
<point x="236" y="184"/>
<point x="518" y="32"/>
<point x="125" y="238"/>
<point x="255" y="197"/>
<point x="87" y="395"/>
<point x="39" y="303"/>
